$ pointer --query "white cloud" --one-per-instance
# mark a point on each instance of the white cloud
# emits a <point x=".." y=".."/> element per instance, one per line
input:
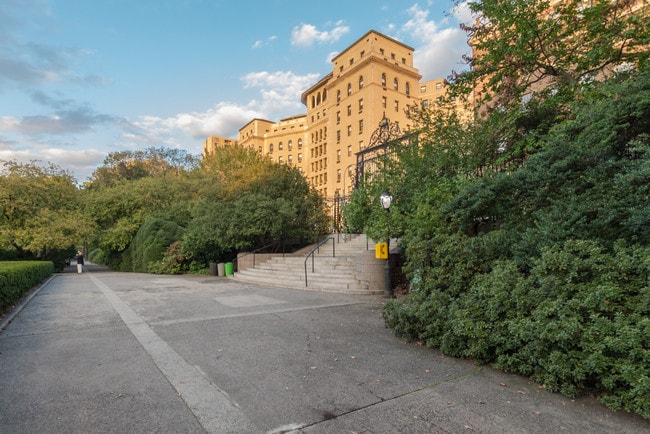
<point x="280" y="97"/>
<point x="79" y="163"/>
<point x="263" y="43"/>
<point x="306" y="35"/>
<point x="440" y="48"/>
<point x="280" y="91"/>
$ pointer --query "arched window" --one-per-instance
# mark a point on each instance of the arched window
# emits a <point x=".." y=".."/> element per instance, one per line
<point x="349" y="89"/>
<point x="360" y="81"/>
<point x="280" y="146"/>
<point x="290" y="144"/>
<point x="318" y="99"/>
<point x="313" y="102"/>
<point x="324" y="94"/>
<point x="271" y="147"/>
<point x="299" y="143"/>
<point x="395" y="84"/>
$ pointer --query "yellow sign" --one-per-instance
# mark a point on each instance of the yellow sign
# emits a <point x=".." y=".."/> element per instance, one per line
<point x="381" y="250"/>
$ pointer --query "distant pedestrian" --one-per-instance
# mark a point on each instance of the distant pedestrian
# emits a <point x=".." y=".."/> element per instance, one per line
<point x="80" y="262"/>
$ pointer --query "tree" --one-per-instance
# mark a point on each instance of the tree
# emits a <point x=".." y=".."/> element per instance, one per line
<point x="132" y="165"/>
<point x="40" y="210"/>
<point x="523" y="46"/>
<point x="258" y="203"/>
<point x="120" y="209"/>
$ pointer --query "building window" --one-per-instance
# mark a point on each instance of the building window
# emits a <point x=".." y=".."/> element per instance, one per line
<point x="361" y="126"/>
<point x="407" y="88"/>
<point x="280" y="160"/>
<point x="392" y="56"/>
<point x="438" y="85"/>
<point x="381" y="51"/>
<point x="338" y="96"/>
<point x="360" y="82"/>
<point x="383" y="80"/>
<point x="349" y="150"/>
<point x="338" y="117"/>
<point x="351" y="61"/>
<point x="395" y="83"/>
<point x="338" y="136"/>
<point x="360" y="105"/>
<point x="290" y="159"/>
<point x="271" y="147"/>
<point x="300" y="158"/>
<point x="338" y="175"/>
<point x="423" y="89"/>
<point x="290" y="144"/>
<point x="361" y="145"/>
<point x="349" y="89"/>
<point x="299" y="143"/>
<point x="338" y="155"/>
<point x="383" y="101"/>
<point x="280" y="146"/>
<point x="349" y="110"/>
<point x="396" y="105"/>
<point x="349" y="130"/>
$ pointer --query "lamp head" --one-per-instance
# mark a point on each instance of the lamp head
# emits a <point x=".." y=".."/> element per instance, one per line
<point x="385" y="200"/>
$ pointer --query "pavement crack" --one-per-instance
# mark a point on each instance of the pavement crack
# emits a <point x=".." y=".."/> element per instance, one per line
<point x="328" y="416"/>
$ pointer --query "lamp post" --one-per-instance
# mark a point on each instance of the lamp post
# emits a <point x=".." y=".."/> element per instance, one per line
<point x="386" y="199"/>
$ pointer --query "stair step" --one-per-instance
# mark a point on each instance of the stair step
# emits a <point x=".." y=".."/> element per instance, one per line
<point x="331" y="273"/>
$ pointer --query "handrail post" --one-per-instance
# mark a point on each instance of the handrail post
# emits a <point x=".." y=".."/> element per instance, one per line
<point x="305" y="273"/>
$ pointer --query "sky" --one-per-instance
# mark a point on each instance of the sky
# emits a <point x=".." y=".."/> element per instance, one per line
<point x="80" y="79"/>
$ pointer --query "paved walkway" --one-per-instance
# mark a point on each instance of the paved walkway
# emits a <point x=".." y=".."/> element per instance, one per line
<point x="107" y="352"/>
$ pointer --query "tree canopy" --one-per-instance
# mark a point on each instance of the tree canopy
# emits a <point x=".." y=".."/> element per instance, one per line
<point x="40" y="211"/>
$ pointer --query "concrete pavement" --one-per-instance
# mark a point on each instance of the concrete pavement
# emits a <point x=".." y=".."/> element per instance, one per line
<point x="106" y="352"/>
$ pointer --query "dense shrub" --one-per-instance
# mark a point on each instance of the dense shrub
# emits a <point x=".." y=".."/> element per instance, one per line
<point x="17" y="277"/>
<point x="544" y="270"/>
<point x="150" y="244"/>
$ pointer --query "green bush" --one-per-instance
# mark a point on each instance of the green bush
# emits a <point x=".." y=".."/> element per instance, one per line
<point x="17" y="277"/>
<point x="150" y="244"/>
<point x="544" y="270"/>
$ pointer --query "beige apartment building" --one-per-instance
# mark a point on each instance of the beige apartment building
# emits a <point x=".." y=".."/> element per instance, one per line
<point x="372" y="79"/>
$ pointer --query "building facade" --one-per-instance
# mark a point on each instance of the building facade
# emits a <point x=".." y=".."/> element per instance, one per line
<point x="372" y="79"/>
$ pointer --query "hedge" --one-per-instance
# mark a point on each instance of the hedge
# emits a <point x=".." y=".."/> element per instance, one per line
<point x="17" y="277"/>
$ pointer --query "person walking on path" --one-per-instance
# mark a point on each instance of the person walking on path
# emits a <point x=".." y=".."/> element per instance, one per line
<point x="80" y="262"/>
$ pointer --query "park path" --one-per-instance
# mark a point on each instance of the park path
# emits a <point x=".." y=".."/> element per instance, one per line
<point x="106" y="352"/>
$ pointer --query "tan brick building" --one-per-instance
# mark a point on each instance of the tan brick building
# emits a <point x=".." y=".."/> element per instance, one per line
<point x="372" y="78"/>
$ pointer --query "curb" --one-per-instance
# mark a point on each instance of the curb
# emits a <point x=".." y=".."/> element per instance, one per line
<point x="16" y="310"/>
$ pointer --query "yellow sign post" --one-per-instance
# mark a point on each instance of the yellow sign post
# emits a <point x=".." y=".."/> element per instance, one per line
<point x="381" y="250"/>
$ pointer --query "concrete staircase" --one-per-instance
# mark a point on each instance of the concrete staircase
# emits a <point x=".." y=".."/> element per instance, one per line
<point x="344" y="264"/>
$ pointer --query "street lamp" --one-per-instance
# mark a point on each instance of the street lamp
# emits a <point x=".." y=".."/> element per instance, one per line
<point x="386" y="199"/>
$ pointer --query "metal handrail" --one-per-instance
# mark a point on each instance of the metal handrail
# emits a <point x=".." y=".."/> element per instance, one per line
<point x="257" y="250"/>
<point x="317" y="248"/>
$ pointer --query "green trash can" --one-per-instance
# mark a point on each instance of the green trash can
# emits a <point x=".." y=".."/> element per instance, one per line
<point x="229" y="269"/>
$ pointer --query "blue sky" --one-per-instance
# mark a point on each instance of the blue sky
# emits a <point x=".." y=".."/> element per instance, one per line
<point x="80" y="79"/>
